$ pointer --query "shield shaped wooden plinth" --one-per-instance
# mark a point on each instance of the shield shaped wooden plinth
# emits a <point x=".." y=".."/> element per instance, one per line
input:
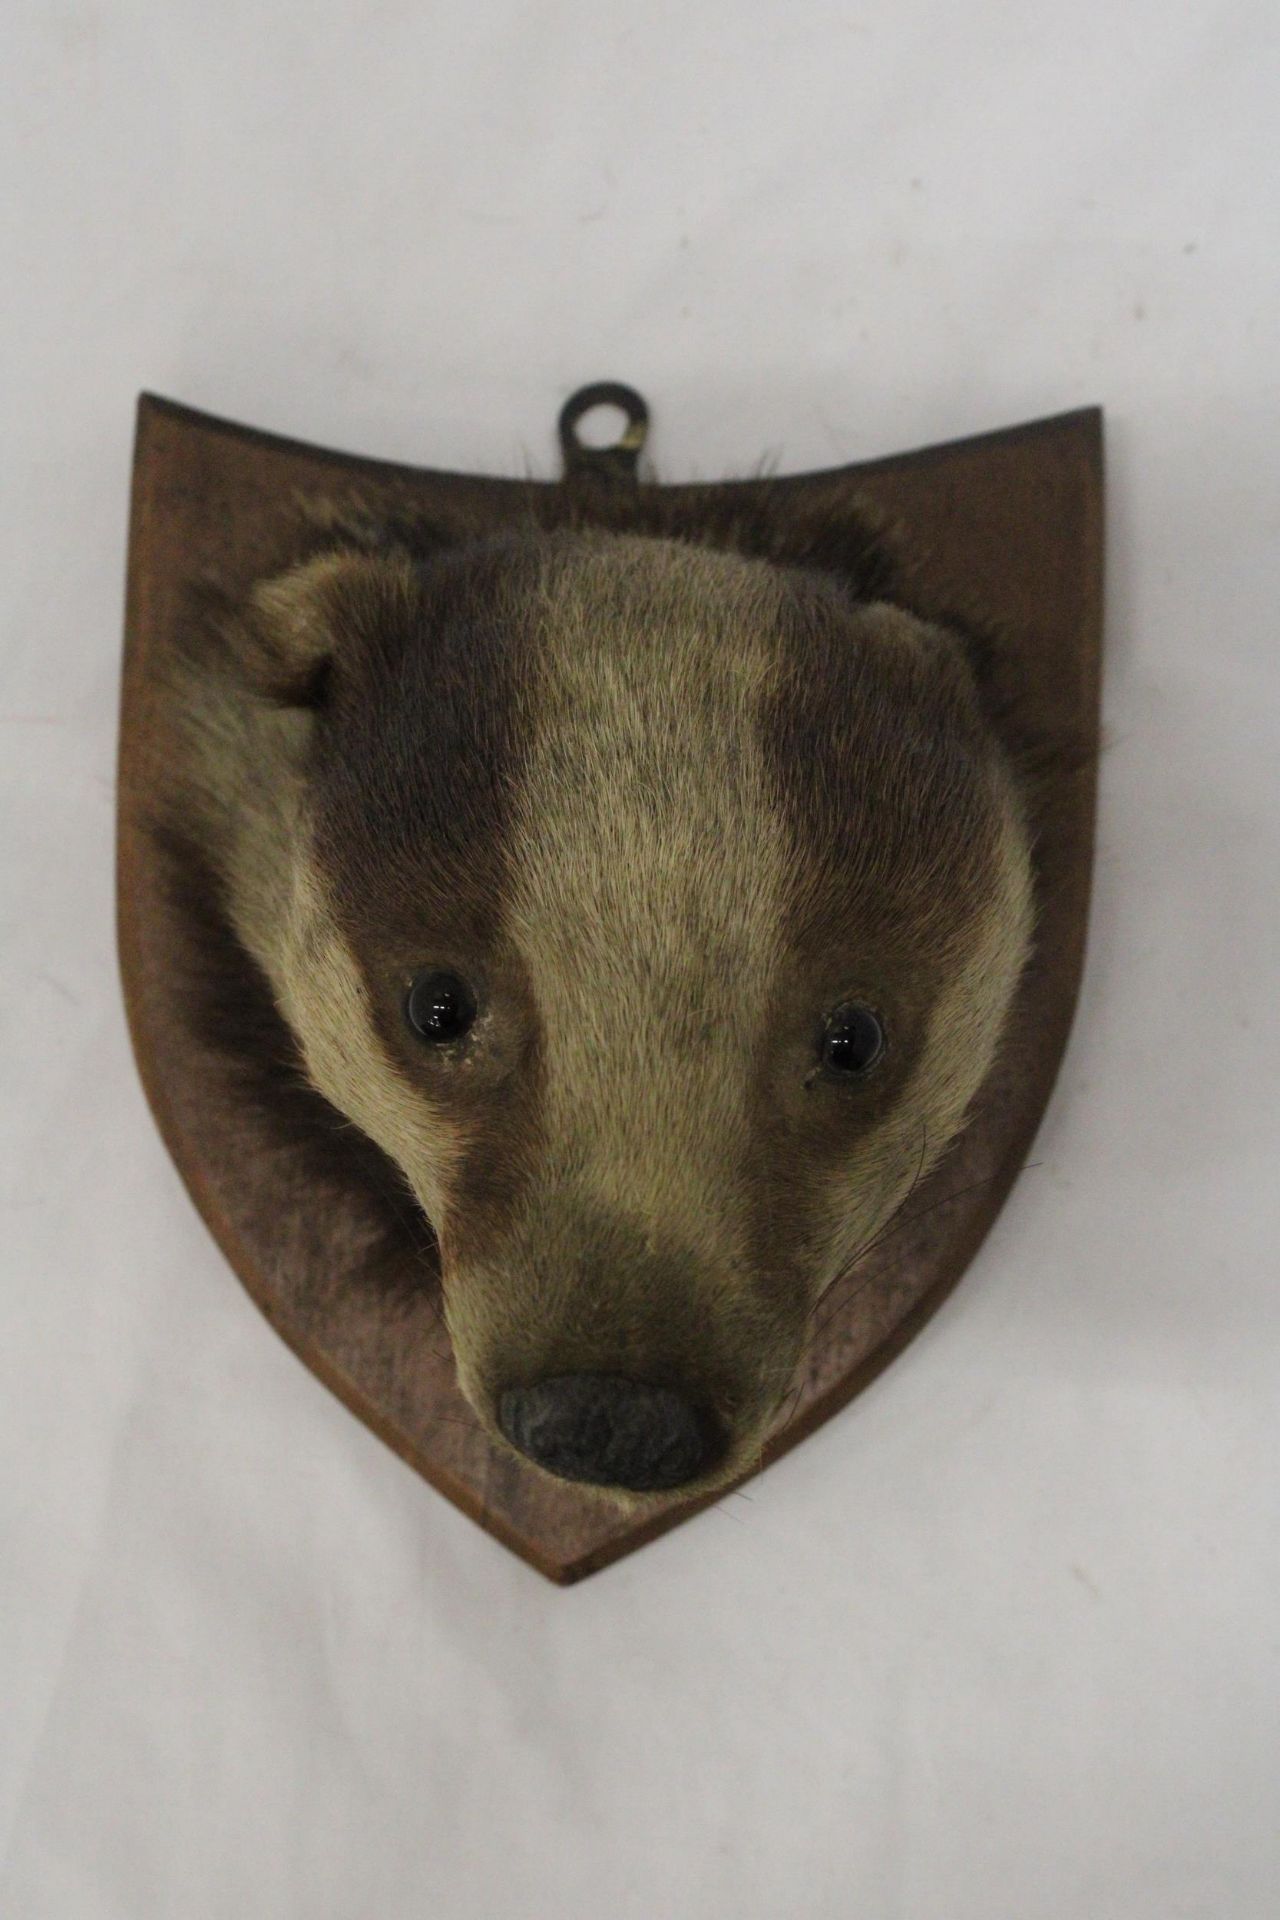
<point x="1004" y="529"/>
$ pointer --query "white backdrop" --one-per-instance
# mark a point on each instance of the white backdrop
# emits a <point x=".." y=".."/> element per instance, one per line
<point x="1001" y="1639"/>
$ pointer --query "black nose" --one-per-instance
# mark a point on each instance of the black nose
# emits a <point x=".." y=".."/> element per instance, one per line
<point x="610" y="1431"/>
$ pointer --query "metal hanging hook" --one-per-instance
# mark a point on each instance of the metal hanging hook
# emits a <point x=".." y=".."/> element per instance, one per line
<point x="621" y="460"/>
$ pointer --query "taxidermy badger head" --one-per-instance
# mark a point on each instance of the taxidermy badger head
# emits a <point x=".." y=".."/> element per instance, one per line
<point x="655" y="902"/>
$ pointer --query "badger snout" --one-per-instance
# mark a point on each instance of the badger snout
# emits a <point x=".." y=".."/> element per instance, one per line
<point x="611" y="1431"/>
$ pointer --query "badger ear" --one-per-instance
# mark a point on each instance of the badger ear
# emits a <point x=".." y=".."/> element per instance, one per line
<point x="300" y="627"/>
<point x="946" y="642"/>
<point x="288" y="638"/>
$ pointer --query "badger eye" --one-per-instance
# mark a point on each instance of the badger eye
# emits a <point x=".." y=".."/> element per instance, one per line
<point x="439" y="1007"/>
<point x="853" y="1040"/>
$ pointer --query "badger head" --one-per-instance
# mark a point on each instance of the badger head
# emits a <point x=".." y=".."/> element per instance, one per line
<point x="657" y="910"/>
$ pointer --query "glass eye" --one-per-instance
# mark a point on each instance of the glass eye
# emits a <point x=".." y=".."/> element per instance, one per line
<point x="439" y="1007"/>
<point x="853" y="1040"/>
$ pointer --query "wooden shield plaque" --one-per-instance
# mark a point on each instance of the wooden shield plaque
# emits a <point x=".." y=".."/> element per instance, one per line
<point x="1003" y="531"/>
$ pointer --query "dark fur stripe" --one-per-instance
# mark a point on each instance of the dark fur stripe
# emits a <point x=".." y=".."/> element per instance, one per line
<point x="416" y="762"/>
<point x="229" y="1007"/>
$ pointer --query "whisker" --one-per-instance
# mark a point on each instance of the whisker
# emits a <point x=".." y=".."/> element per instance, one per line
<point x="845" y="1300"/>
<point x="895" y="1226"/>
<point x="868" y="1247"/>
<point x="960" y="1193"/>
<point x="718" y="1506"/>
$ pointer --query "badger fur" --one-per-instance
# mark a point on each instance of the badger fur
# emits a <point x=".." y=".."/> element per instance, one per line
<point x="663" y="800"/>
